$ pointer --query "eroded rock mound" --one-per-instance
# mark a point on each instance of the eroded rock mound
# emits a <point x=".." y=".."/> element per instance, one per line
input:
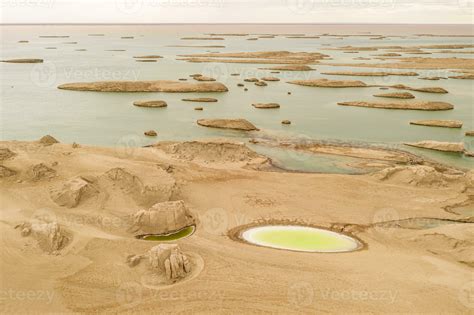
<point x="32" y="60"/>
<point x="422" y="89"/>
<point x="371" y="74"/>
<point x="329" y="83"/>
<point x="438" y="123"/>
<point x="6" y="172"/>
<point x="6" y="153"/>
<point x="40" y="171"/>
<point x="71" y="193"/>
<point x="290" y="68"/>
<point x="122" y="184"/>
<point x="236" y="124"/>
<point x="418" y="105"/>
<point x="266" y="105"/>
<point x="49" y="235"/>
<point x="457" y="147"/>
<point x="215" y="151"/>
<point x="153" y="104"/>
<point x="203" y="78"/>
<point x="48" y="140"/>
<point x="405" y="95"/>
<point x="200" y="99"/>
<point x="417" y="175"/>
<point x="145" y="86"/>
<point x="270" y="79"/>
<point x="163" y="218"/>
<point x="168" y="259"/>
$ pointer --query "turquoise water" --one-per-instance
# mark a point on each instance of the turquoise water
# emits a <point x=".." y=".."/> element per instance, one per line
<point x="32" y="106"/>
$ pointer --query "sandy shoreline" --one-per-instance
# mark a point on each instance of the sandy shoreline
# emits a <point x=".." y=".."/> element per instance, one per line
<point x="90" y="274"/>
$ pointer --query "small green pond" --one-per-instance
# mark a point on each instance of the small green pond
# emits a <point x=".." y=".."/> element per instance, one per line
<point x="169" y="237"/>
<point x="300" y="238"/>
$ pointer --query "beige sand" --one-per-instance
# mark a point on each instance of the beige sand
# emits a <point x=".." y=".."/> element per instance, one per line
<point x="424" y="270"/>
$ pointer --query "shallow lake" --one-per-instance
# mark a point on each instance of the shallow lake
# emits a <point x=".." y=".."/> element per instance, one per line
<point x="300" y="238"/>
<point x="32" y="106"/>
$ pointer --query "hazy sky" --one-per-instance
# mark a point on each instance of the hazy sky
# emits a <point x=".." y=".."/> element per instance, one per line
<point x="237" y="11"/>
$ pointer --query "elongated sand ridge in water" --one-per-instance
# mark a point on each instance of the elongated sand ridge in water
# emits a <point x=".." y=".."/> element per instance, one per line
<point x="187" y="231"/>
<point x="300" y="238"/>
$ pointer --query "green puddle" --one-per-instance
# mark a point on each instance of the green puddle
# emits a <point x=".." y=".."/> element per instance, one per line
<point x="300" y="238"/>
<point x="170" y="237"/>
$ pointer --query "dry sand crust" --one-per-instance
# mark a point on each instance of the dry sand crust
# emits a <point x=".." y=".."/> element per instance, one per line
<point x="145" y="86"/>
<point x="98" y="266"/>
<point x="236" y="124"/>
<point x="415" y="105"/>
<point x="438" y="123"/>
